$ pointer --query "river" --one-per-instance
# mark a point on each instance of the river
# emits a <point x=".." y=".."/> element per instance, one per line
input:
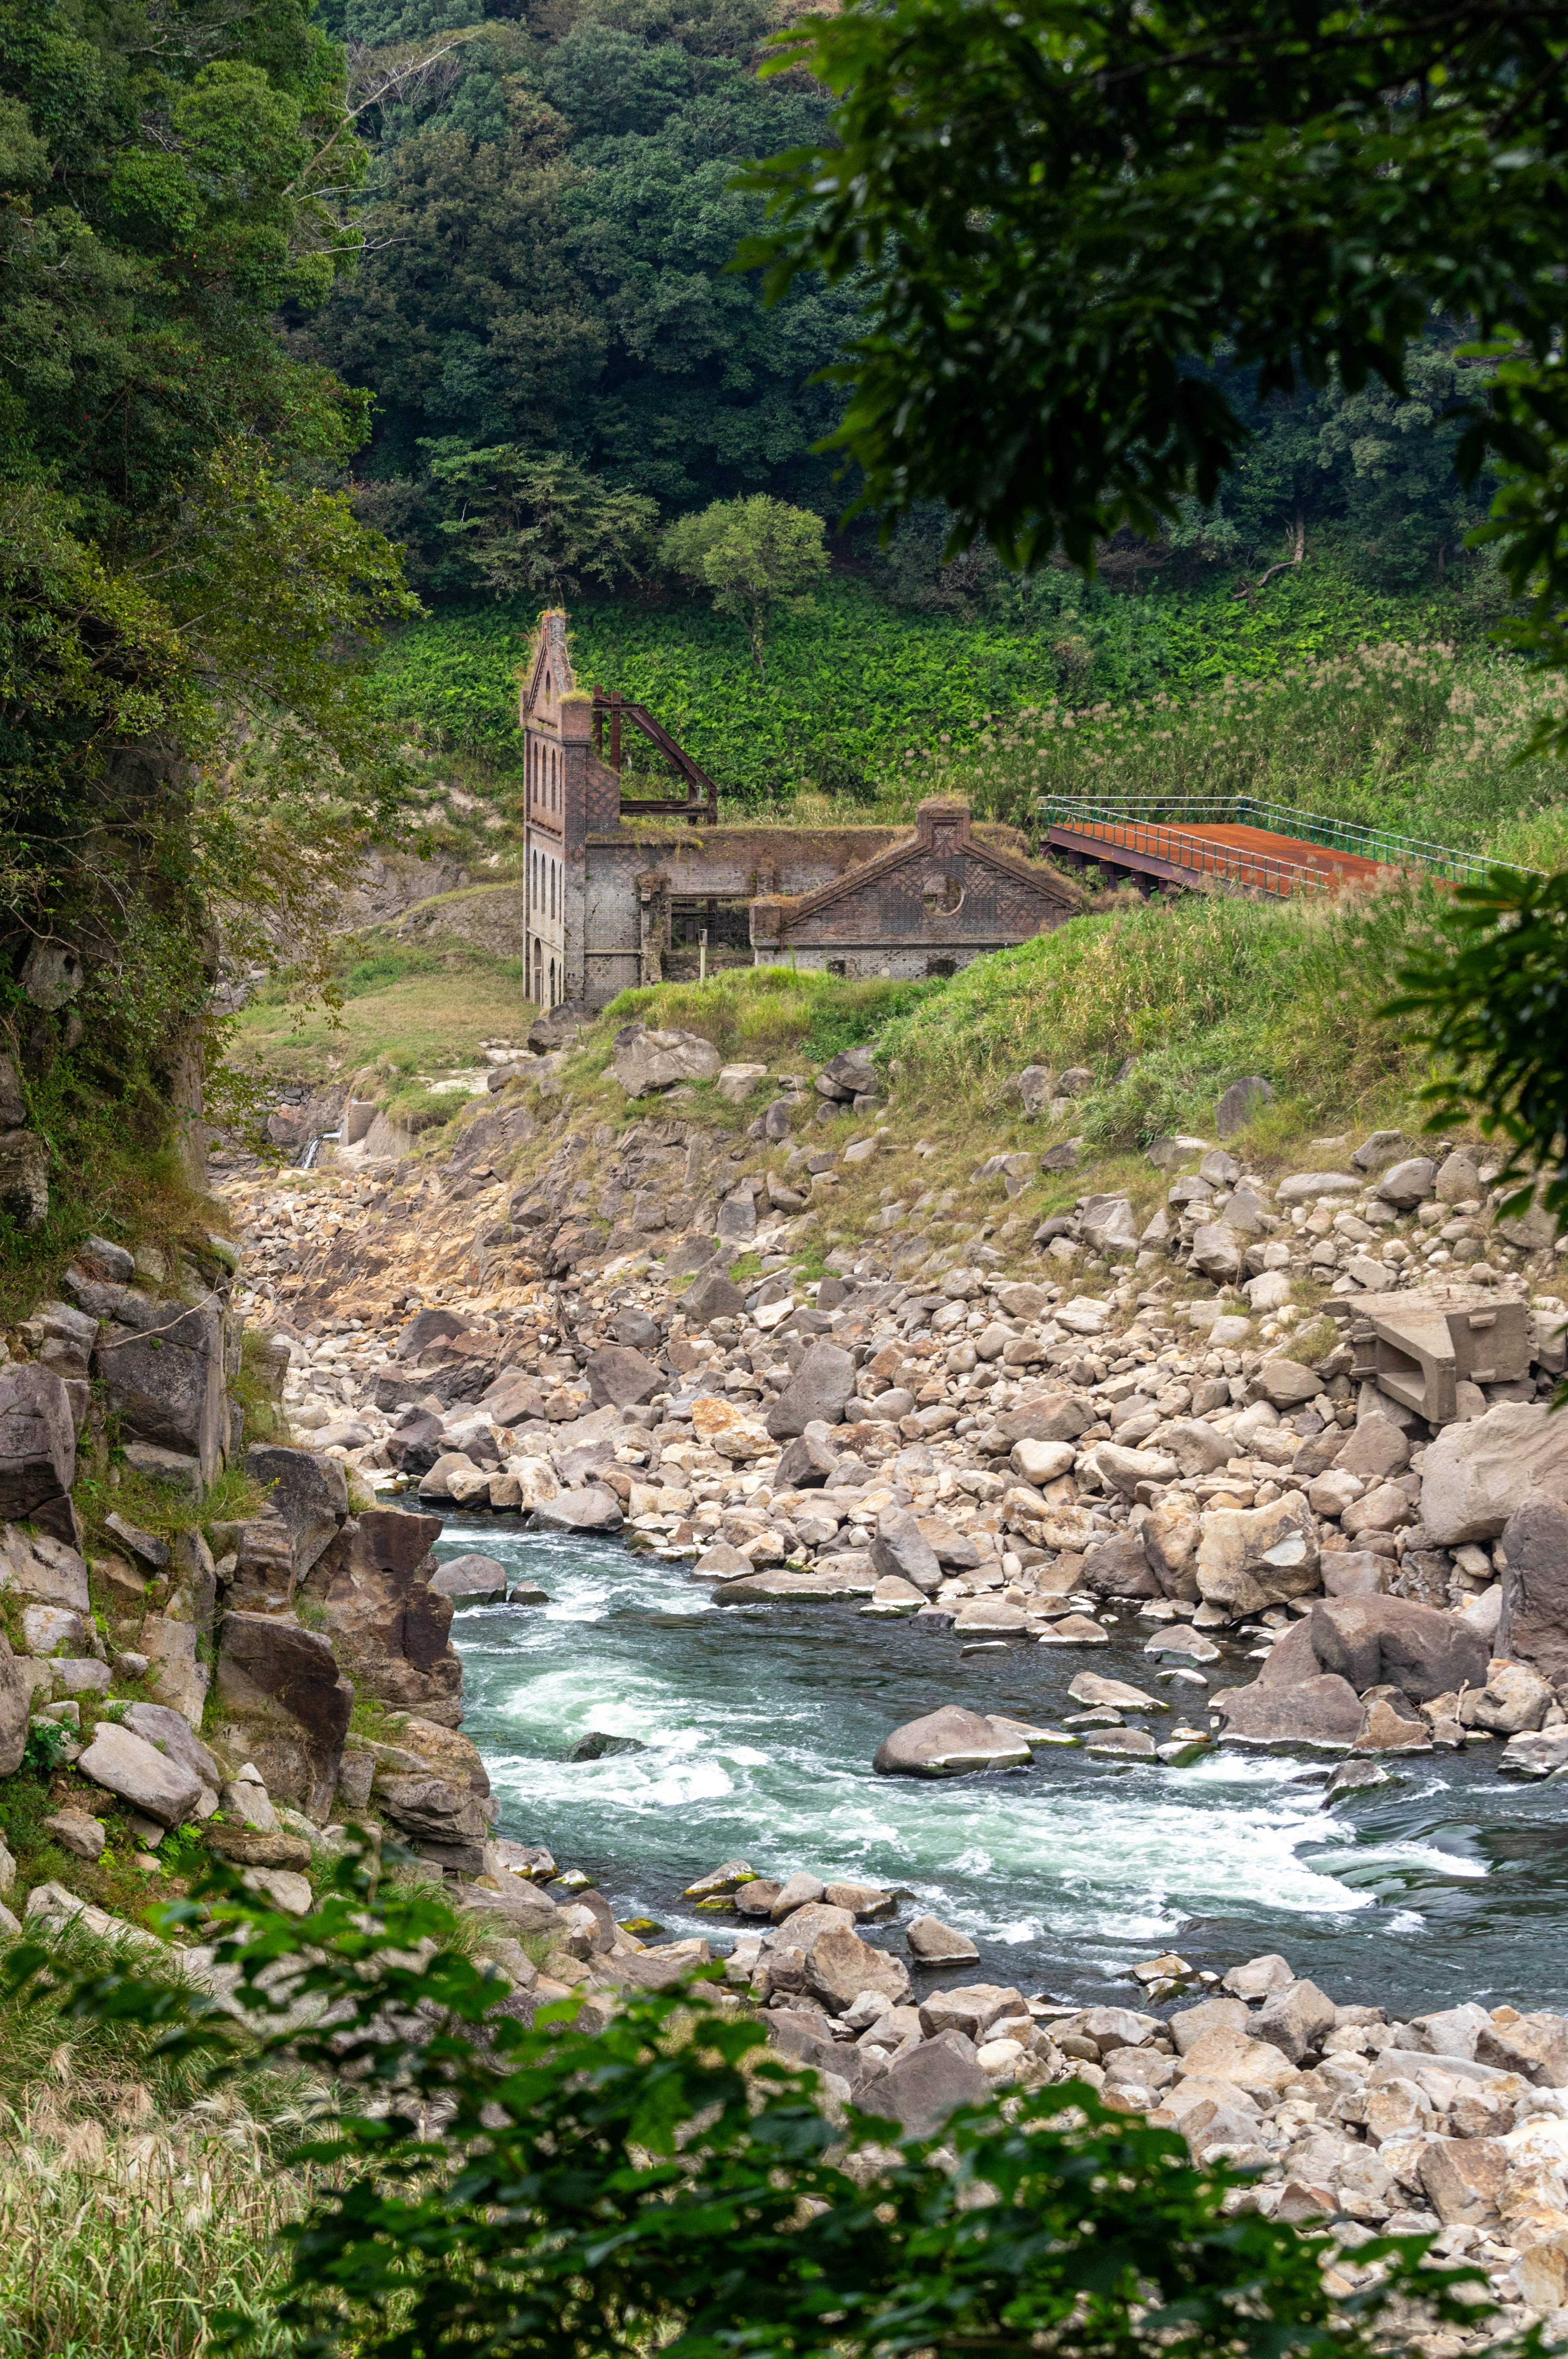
<point x="759" y="1724"/>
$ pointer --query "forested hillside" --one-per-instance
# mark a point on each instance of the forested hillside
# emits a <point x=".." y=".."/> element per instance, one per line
<point x="550" y="222"/>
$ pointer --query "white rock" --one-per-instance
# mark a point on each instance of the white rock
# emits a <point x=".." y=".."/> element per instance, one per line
<point x="1475" y="1475"/>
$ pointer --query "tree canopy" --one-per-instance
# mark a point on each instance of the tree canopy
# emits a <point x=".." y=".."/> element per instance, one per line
<point x="1083" y="226"/>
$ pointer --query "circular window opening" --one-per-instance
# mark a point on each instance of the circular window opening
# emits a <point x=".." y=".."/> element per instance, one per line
<point x="944" y="898"/>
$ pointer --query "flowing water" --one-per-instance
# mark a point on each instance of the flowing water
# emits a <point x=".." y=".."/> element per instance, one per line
<point x="758" y="1724"/>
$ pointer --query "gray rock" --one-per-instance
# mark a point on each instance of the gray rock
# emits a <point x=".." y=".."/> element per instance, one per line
<point x="425" y="1328"/>
<point x="15" y="1707"/>
<point x="309" y="1492"/>
<point x="1217" y="1252"/>
<point x="948" y="1742"/>
<point x="1389" y="1641"/>
<point x="126" y="1765"/>
<point x="818" y="1390"/>
<point x="936" y="1944"/>
<point x="37" y="1440"/>
<point x="659" y="1061"/>
<point x="1410" y="1183"/>
<point x="286" y="1682"/>
<point x="1119" y="1566"/>
<point x="475" y="1579"/>
<point x="433" y="1809"/>
<point x="74" y="1831"/>
<point x="594" y="1509"/>
<point x="146" y="1545"/>
<point x="162" y="1371"/>
<point x="1325" y="1711"/>
<point x="710" y="1296"/>
<point x="1380" y="1148"/>
<point x="901" y="1552"/>
<point x="1197" y="1449"/>
<point x="1476" y="1474"/>
<point x="391" y="1629"/>
<point x="43" y="1571"/>
<point x="1036" y="1087"/>
<point x="616" y="1373"/>
<point x="1302" y="1187"/>
<point x="1286" y="1384"/>
<point x="922" y="2089"/>
<point x="1293" y="2019"/>
<point x="172" y="1734"/>
<point x="1376" y="1449"/>
<point x="1260" y="1976"/>
<point x="1240" y="1102"/>
<point x="1108" y="1225"/>
<point x="24" y="1180"/>
<point x="804" y="1464"/>
<point x="1533" y="1623"/>
<point x="1459" y="1178"/>
<point x="1191" y="2024"/>
<point x="841" y="1964"/>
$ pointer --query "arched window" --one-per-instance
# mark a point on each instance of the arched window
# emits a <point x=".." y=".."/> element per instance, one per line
<point x="552" y="982"/>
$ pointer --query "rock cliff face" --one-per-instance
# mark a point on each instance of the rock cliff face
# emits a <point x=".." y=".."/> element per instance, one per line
<point x="240" y="1642"/>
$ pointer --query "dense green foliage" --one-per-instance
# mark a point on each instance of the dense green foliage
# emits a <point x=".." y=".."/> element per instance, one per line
<point x="1064" y="214"/>
<point x="756" y="558"/>
<point x="180" y="742"/>
<point x="550" y="220"/>
<point x="666" y="2183"/>
<point x="549" y="233"/>
<point x="1491" y="995"/>
<point x="854" y="683"/>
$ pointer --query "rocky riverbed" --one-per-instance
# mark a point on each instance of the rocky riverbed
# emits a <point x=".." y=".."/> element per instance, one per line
<point x="1158" y="1461"/>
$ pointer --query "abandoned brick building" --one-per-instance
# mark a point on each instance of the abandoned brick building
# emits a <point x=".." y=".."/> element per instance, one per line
<point x="617" y="881"/>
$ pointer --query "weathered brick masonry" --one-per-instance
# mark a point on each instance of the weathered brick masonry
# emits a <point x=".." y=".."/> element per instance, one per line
<point x="607" y="892"/>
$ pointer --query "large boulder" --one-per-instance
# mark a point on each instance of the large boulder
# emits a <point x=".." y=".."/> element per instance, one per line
<point x="391" y="1629"/>
<point x="37" y="1440"/>
<point x="1392" y="1642"/>
<point x="1324" y="1711"/>
<point x="130" y="1765"/>
<point x="447" y="1823"/>
<point x="308" y="1492"/>
<point x="171" y="1733"/>
<point x="711" y="1295"/>
<point x="1249" y="1557"/>
<point x="282" y="1683"/>
<point x="948" y="1742"/>
<point x="617" y="1374"/>
<point x="594" y="1509"/>
<point x="1475" y="1475"/>
<point x="470" y="1579"/>
<point x="818" y="1390"/>
<point x="1533" y="1624"/>
<point x="161" y="1369"/>
<point x="658" y="1061"/>
<point x="1120" y="1567"/>
<point x="922" y="2088"/>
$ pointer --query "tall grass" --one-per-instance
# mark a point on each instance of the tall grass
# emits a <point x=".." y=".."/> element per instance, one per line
<point x="135" y="2201"/>
<point x="1424" y="739"/>
<point x="124" y="2244"/>
<point x="1187" y="997"/>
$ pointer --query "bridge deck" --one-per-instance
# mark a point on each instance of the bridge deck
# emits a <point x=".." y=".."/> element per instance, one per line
<point x="1247" y="856"/>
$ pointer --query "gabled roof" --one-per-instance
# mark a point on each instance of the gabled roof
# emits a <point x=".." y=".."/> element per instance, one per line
<point x="939" y="826"/>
